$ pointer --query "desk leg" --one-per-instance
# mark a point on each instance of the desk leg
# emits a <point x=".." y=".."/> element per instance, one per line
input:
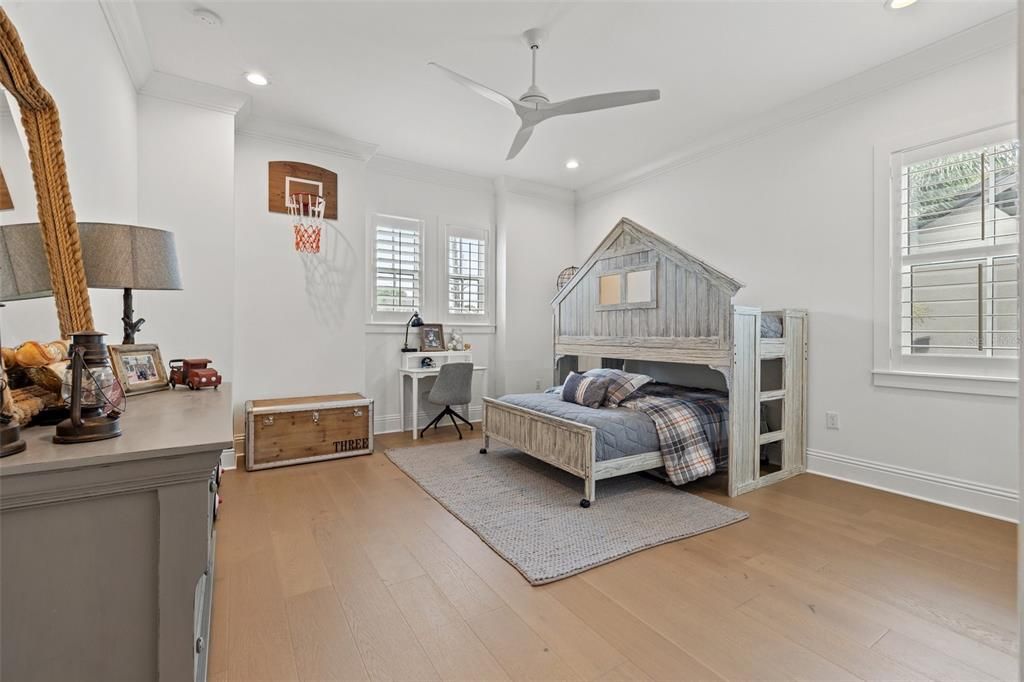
<point x="415" y="408"/>
<point x="401" y="402"/>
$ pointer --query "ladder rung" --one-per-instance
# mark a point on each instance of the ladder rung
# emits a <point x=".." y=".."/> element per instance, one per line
<point x="771" y="437"/>
<point x="773" y="395"/>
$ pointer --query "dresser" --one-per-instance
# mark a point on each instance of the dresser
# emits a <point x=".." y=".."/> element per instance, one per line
<point x="107" y="548"/>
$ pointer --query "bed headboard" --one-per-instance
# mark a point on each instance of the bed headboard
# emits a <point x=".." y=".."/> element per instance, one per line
<point x="641" y="297"/>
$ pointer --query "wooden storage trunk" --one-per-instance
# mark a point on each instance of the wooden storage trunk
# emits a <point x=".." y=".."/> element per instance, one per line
<point x="283" y="431"/>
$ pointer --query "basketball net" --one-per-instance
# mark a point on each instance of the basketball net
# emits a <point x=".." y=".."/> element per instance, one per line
<point x="307" y="214"/>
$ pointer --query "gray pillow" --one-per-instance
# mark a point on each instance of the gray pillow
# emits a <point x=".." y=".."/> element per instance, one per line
<point x="584" y="390"/>
<point x="621" y="384"/>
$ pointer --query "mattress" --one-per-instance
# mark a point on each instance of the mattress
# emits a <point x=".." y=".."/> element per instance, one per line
<point x="620" y="432"/>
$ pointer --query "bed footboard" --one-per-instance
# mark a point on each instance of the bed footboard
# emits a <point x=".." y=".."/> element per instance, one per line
<point x="561" y="443"/>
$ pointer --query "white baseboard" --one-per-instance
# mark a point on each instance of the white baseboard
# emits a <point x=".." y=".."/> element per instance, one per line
<point x="988" y="500"/>
<point x="392" y="423"/>
<point x="228" y="460"/>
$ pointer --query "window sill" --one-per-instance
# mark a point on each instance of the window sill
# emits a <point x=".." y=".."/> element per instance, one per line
<point x="399" y="328"/>
<point x="1005" y="387"/>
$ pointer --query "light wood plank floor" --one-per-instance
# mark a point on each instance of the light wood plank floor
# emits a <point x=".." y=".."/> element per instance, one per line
<point x="348" y="570"/>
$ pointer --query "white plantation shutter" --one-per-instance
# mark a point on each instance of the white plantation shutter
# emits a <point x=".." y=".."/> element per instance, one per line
<point x="958" y="218"/>
<point x="398" y="264"/>
<point x="467" y="271"/>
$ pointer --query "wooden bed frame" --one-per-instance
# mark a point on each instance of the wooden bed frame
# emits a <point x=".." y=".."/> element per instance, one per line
<point x="688" y="319"/>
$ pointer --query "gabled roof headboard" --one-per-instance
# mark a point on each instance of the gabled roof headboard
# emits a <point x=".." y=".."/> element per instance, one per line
<point x="639" y="296"/>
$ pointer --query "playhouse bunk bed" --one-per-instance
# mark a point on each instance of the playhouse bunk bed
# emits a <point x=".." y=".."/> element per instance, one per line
<point x="641" y="298"/>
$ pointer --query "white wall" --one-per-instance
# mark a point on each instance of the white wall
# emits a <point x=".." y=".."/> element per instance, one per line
<point x="298" y="319"/>
<point x="97" y="105"/>
<point x="186" y="185"/>
<point x="439" y="198"/>
<point x="790" y="213"/>
<point x="302" y="324"/>
<point x="535" y="236"/>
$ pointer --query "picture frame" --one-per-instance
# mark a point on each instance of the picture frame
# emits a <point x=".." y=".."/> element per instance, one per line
<point x="432" y="338"/>
<point x="139" y="367"/>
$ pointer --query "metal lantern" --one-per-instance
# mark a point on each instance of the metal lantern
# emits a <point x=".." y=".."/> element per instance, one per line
<point x="565" y="275"/>
<point x="93" y="394"/>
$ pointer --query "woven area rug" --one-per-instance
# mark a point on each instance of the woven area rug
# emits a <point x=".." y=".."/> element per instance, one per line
<point x="529" y="513"/>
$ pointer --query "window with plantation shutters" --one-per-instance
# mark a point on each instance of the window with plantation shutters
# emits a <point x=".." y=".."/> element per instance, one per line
<point x="467" y="271"/>
<point x="398" y="256"/>
<point x="957" y="217"/>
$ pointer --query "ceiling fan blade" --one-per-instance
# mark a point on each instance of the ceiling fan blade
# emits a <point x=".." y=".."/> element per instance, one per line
<point x="479" y="89"/>
<point x="517" y="144"/>
<point x="607" y="100"/>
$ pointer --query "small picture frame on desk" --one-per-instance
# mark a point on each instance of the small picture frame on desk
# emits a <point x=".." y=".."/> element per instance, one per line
<point x="432" y="338"/>
<point x="139" y="367"/>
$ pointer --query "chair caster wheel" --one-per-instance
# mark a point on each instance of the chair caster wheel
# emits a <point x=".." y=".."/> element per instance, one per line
<point x="584" y="503"/>
<point x="483" y="451"/>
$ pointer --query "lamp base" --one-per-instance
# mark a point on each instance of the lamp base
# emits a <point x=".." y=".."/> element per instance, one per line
<point x="410" y="350"/>
<point x="92" y="429"/>
<point x="10" y="440"/>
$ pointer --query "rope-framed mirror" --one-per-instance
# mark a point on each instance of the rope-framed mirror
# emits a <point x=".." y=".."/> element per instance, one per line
<point x="49" y="175"/>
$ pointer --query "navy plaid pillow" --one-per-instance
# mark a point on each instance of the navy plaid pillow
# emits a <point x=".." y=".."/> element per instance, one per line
<point x="621" y="384"/>
<point x="584" y="390"/>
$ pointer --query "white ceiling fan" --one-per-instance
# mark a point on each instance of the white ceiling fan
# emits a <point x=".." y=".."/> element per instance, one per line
<point x="533" y="106"/>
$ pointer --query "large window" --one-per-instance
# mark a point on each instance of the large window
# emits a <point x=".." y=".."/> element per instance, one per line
<point x="398" y="257"/>
<point x="946" y="263"/>
<point x="423" y="263"/>
<point x="467" y="271"/>
<point x="958" y="221"/>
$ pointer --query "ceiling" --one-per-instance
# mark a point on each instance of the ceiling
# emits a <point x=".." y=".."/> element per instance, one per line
<point x="358" y="69"/>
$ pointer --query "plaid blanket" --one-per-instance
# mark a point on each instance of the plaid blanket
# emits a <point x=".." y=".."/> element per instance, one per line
<point x="693" y="427"/>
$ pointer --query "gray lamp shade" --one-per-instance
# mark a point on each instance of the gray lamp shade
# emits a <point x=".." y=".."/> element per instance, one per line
<point x="129" y="257"/>
<point x="115" y="257"/>
<point x="24" y="272"/>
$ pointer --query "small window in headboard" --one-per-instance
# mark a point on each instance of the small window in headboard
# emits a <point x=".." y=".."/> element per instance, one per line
<point x="630" y="287"/>
<point x="610" y="289"/>
<point x="639" y="286"/>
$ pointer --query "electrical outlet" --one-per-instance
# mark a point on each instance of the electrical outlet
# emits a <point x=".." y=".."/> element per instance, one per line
<point x="832" y="420"/>
<point x="537" y="386"/>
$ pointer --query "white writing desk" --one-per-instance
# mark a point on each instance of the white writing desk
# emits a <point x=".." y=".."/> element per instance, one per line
<point x="410" y="367"/>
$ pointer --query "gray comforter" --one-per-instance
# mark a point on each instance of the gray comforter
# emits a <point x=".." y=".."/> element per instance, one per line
<point x="620" y="432"/>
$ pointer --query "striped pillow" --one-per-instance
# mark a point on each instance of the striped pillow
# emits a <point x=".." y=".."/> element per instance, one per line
<point x="584" y="390"/>
<point x="621" y="384"/>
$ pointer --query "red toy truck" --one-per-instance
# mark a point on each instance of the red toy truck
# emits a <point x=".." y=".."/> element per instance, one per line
<point x="194" y="373"/>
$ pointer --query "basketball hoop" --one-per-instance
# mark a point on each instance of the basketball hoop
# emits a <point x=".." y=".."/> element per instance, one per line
<point x="307" y="214"/>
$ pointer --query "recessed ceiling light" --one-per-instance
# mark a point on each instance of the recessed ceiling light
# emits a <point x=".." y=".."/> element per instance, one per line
<point x="572" y="164"/>
<point x="898" y="4"/>
<point x="257" y="78"/>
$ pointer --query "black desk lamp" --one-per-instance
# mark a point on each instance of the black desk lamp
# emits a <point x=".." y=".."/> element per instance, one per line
<point x="414" y="321"/>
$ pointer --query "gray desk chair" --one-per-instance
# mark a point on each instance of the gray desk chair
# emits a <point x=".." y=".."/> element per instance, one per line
<point x="453" y="386"/>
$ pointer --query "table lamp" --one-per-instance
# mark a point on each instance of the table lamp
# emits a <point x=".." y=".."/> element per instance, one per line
<point x="414" y="321"/>
<point x="129" y="257"/>
<point x="115" y="256"/>
<point x="24" y="274"/>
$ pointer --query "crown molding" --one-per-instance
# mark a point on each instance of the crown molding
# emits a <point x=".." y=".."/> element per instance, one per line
<point x="307" y="138"/>
<point x="195" y="93"/>
<point x="123" y="20"/>
<point x="419" y="172"/>
<point x="992" y="35"/>
<point x="534" y="190"/>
